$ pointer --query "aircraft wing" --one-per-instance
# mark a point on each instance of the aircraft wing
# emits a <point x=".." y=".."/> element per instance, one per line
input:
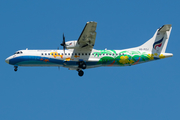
<point x="87" y="38"/>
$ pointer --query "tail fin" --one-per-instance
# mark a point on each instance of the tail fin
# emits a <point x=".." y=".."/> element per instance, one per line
<point x="158" y="43"/>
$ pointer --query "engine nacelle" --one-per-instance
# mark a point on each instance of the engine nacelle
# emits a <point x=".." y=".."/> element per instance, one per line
<point x="71" y="44"/>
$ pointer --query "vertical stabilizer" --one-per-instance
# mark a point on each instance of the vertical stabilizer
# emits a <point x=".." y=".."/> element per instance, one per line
<point x="158" y="43"/>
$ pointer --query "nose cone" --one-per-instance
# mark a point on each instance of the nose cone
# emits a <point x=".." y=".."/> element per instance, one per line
<point x="7" y="60"/>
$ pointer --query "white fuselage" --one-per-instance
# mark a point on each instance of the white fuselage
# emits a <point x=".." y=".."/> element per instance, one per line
<point x="70" y="58"/>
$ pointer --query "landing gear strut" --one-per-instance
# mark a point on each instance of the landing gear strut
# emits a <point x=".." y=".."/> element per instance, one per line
<point x="80" y="73"/>
<point x="15" y="68"/>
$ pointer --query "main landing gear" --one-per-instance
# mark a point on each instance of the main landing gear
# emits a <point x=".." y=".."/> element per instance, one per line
<point x="80" y="73"/>
<point x="82" y="65"/>
<point x="15" y="68"/>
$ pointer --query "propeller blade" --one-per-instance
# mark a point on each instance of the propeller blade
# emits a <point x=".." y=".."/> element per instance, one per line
<point x="63" y="43"/>
<point x="63" y="38"/>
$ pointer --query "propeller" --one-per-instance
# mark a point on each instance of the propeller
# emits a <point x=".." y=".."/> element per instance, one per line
<point x="63" y="43"/>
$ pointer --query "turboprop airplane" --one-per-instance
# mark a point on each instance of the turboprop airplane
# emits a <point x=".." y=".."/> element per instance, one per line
<point x="80" y="54"/>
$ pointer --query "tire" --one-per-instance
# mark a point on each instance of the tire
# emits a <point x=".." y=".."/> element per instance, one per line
<point x="80" y="73"/>
<point x="82" y="65"/>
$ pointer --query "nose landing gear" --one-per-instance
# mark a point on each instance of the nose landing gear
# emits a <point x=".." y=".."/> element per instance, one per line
<point x="15" y="68"/>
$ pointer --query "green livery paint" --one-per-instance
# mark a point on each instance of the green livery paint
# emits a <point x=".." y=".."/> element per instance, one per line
<point x="113" y="52"/>
<point x="124" y="57"/>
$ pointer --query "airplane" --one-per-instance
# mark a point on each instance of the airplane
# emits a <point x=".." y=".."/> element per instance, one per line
<point x="80" y="55"/>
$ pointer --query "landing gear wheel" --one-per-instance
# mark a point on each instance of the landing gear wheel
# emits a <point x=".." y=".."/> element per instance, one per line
<point x="15" y="68"/>
<point x="80" y="73"/>
<point x="82" y="65"/>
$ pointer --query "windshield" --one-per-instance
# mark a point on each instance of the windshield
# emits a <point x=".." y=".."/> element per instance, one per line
<point x="18" y="52"/>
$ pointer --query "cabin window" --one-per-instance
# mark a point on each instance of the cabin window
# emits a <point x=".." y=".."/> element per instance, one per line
<point x="41" y="53"/>
<point x="78" y="53"/>
<point x="75" y="53"/>
<point x="85" y="53"/>
<point x="93" y="54"/>
<point x="113" y="54"/>
<point x="72" y="53"/>
<point x="65" y="54"/>
<point x="109" y="53"/>
<point x="106" y="54"/>
<point x="68" y="53"/>
<point x="55" y="54"/>
<point x="61" y="53"/>
<point x="45" y="53"/>
<point x="58" y="53"/>
<point x="119" y="53"/>
<point x="82" y="53"/>
<point x="48" y="53"/>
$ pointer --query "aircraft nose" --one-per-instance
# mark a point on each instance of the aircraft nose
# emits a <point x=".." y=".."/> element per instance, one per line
<point x="7" y="60"/>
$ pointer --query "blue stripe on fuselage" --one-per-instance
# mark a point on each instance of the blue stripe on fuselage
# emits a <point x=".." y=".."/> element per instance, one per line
<point x="33" y="60"/>
<point x="37" y="60"/>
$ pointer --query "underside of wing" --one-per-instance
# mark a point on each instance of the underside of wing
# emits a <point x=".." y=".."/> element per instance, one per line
<point x="87" y="38"/>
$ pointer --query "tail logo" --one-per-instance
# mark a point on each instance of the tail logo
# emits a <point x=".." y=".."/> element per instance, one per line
<point x="158" y="43"/>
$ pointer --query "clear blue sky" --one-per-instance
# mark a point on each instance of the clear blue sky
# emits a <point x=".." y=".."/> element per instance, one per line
<point x="149" y="91"/>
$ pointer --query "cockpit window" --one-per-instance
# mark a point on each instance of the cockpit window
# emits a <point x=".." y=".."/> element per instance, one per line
<point x="18" y="52"/>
